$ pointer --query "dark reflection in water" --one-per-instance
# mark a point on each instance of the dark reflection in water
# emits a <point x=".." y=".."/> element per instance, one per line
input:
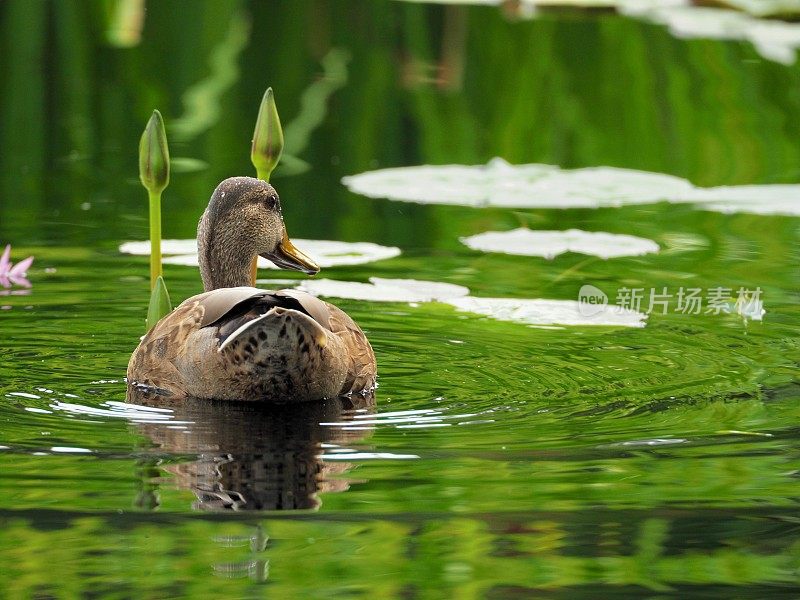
<point x="251" y="456"/>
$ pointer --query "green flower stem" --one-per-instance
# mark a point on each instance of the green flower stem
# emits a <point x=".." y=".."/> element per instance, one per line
<point x="155" y="238"/>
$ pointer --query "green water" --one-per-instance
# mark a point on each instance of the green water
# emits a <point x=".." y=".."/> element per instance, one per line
<point x="501" y="460"/>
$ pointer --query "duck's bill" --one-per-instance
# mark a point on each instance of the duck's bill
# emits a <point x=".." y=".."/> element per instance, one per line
<point x="286" y="256"/>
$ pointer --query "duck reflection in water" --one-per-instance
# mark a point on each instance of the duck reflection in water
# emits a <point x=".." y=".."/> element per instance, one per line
<point x="254" y="456"/>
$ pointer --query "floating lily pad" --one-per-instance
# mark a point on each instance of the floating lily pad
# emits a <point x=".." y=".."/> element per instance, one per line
<point x="774" y="40"/>
<point x="757" y="199"/>
<point x="385" y="290"/>
<point x="326" y="253"/>
<point x="548" y="244"/>
<point x="547" y="312"/>
<point x="501" y="184"/>
<point x="519" y="310"/>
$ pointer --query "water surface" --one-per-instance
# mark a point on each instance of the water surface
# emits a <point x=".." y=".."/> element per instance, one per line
<point x="499" y="460"/>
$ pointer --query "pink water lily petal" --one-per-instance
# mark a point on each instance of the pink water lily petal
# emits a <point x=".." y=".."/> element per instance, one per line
<point x="4" y="281"/>
<point x="19" y="280"/>
<point x="21" y="267"/>
<point x="4" y="261"/>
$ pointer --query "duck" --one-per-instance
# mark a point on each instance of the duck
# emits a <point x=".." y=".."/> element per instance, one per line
<point x="238" y="342"/>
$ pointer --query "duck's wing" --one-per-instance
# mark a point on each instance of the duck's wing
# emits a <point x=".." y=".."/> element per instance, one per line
<point x="171" y="333"/>
<point x="218" y="303"/>
<point x="363" y="370"/>
<point x="152" y="364"/>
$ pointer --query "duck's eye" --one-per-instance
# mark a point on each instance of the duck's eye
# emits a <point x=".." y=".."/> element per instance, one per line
<point x="271" y="202"/>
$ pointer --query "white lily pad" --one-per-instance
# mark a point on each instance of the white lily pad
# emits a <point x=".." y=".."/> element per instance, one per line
<point x="758" y="199"/>
<point x="549" y="244"/>
<point x="384" y="290"/>
<point x="326" y="253"/>
<point x="547" y="312"/>
<point x="774" y="40"/>
<point x="537" y="312"/>
<point x="499" y="183"/>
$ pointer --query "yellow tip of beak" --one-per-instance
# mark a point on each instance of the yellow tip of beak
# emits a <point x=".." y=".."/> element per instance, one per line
<point x="287" y="256"/>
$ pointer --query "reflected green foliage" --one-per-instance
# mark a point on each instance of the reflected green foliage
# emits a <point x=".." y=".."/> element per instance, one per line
<point x="575" y="463"/>
<point x="202" y="99"/>
<point x="441" y="557"/>
<point x="313" y="107"/>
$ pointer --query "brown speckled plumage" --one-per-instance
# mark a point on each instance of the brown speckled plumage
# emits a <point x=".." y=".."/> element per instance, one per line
<point x="235" y="342"/>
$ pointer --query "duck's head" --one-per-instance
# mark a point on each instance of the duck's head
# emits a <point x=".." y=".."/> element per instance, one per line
<point x="243" y="221"/>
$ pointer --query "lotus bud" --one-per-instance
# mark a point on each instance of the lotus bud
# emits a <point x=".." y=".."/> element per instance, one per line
<point x="154" y="155"/>
<point x="267" y="138"/>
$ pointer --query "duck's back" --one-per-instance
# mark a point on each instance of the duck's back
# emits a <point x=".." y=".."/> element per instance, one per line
<point x="250" y="344"/>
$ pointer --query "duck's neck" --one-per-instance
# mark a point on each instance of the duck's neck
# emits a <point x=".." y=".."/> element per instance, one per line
<point x="225" y="260"/>
<point x="221" y="274"/>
